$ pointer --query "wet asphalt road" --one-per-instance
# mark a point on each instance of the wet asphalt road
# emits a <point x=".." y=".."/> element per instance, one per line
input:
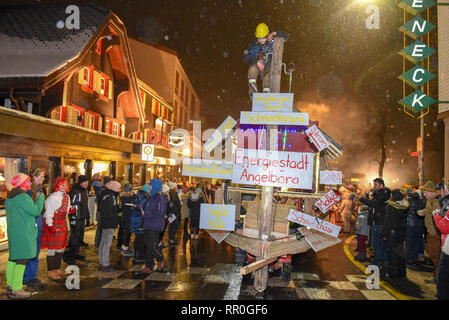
<point x="205" y="270"/>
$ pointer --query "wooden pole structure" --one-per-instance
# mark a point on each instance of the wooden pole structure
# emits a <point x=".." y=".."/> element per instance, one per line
<point x="265" y="216"/>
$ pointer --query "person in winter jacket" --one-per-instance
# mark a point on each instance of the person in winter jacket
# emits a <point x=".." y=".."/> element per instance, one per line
<point x="109" y="207"/>
<point x="258" y="56"/>
<point x="362" y="232"/>
<point x="378" y="204"/>
<point x="140" y="202"/>
<point x="394" y="231"/>
<point x="174" y="213"/>
<point x="79" y="200"/>
<point x="165" y="192"/>
<point x="55" y="233"/>
<point x="127" y="202"/>
<point x="153" y="224"/>
<point x="433" y="238"/>
<point x="185" y="213"/>
<point x="98" y="194"/>
<point x="441" y="218"/>
<point x="21" y="213"/>
<point x="345" y="210"/>
<point x="196" y="198"/>
<point x="415" y="228"/>
<point x="29" y="277"/>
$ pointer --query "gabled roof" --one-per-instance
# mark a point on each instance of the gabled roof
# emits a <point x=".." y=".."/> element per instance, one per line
<point x="33" y="46"/>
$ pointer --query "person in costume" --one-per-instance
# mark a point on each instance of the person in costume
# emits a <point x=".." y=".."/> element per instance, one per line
<point x="21" y="213"/>
<point x="54" y="232"/>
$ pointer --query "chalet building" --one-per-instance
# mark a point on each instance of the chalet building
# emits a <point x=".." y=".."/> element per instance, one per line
<point x="160" y="68"/>
<point x="72" y="102"/>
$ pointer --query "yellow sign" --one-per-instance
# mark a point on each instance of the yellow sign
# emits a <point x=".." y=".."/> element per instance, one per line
<point x="274" y="118"/>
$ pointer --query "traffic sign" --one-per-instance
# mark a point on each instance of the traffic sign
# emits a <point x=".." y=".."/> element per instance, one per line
<point x="148" y="152"/>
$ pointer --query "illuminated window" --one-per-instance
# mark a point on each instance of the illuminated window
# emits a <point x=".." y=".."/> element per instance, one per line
<point x="122" y="132"/>
<point x="106" y="126"/>
<point x="56" y="114"/>
<point x="115" y="129"/>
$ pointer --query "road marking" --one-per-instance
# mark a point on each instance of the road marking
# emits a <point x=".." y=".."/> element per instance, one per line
<point x="316" y="293"/>
<point x="387" y="287"/>
<point x="342" y="285"/>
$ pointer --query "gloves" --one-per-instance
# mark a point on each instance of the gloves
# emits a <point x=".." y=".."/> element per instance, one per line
<point x="72" y="210"/>
<point x="51" y="230"/>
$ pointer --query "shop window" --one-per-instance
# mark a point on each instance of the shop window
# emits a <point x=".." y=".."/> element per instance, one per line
<point x="72" y="169"/>
<point x="121" y="171"/>
<point x="102" y="168"/>
<point x="136" y="178"/>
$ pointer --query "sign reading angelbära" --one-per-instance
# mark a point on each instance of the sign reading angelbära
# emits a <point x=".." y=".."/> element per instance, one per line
<point x="314" y="223"/>
<point x="206" y="168"/>
<point x="317" y="138"/>
<point x="274" y="118"/>
<point x="273" y="168"/>
<point x="273" y="102"/>
<point x="221" y="133"/>
<point x="328" y="201"/>
<point x="217" y="217"/>
<point x="331" y="177"/>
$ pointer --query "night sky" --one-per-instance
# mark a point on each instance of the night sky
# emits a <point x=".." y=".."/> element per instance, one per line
<point x="346" y="75"/>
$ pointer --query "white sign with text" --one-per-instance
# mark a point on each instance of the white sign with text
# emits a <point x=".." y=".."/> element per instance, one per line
<point x="317" y="138"/>
<point x="273" y="168"/>
<point x="221" y="133"/>
<point x="274" y="118"/>
<point x="331" y="177"/>
<point x="217" y="217"/>
<point x="314" y="223"/>
<point x="206" y="168"/>
<point x="328" y="201"/>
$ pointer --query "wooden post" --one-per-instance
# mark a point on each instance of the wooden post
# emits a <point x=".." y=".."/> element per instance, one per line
<point x="265" y="216"/>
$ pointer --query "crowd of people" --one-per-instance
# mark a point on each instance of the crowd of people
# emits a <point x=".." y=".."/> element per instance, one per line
<point x="57" y="223"/>
<point x="405" y="228"/>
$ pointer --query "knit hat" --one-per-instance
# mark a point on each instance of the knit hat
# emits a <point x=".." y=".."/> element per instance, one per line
<point x="18" y="181"/>
<point x="82" y="179"/>
<point x="165" y="188"/>
<point x="429" y="187"/>
<point x="156" y="186"/>
<point x="146" y="188"/>
<point x="128" y="187"/>
<point x="106" y="180"/>
<point x="172" y="185"/>
<point x="113" y="185"/>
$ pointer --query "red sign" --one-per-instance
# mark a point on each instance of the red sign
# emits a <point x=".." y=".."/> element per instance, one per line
<point x="317" y="138"/>
<point x="328" y="201"/>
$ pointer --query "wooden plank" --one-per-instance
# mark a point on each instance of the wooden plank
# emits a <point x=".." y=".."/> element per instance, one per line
<point x="256" y="266"/>
<point x="292" y="246"/>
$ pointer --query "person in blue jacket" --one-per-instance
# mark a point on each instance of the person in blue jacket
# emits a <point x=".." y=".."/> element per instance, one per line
<point x="140" y="201"/>
<point x="153" y="225"/>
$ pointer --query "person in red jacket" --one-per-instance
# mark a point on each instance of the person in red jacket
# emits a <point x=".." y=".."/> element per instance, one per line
<point x="441" y="218"/>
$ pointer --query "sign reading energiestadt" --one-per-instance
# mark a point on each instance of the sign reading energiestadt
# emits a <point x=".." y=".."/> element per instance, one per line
<point x="206" y="168"/>
<point x="328" y="201"/>
<point x="273" y="102"/>
<point x="317" y="138"/>
<point x="314" y="223"/>
<point x="274" y="118"/>
<point x="273" y="168"/>
<point x="217" y="217"/>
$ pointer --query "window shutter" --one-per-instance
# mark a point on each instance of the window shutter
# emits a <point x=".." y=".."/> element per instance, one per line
<point x="110" y="96"/>
<point x="123" y="130"/>
<point x="97" y="82"/>
<point x="100" y="124"/>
